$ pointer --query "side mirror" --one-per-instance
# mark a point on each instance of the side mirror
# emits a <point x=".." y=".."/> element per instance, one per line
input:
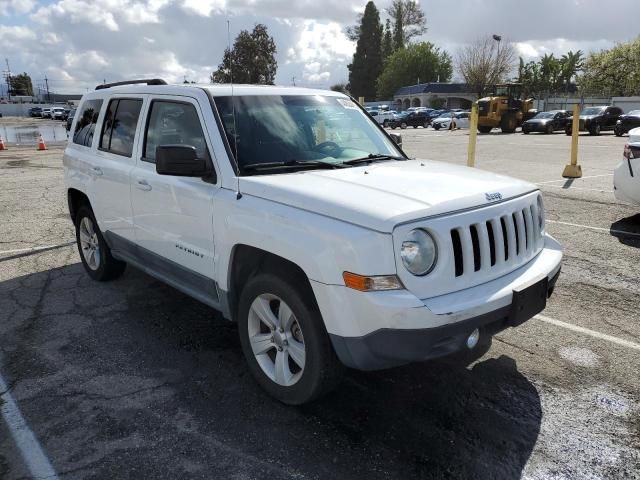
<point x="397" y="138"/>
<point x="180" y="161"/>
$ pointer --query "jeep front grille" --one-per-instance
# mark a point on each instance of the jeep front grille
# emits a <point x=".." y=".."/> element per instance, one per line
<point x="508" y="239"/>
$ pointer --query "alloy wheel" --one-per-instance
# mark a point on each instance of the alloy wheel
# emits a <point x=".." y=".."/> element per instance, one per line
<point x="276" y="339"/>
<point x="89" y="243"/>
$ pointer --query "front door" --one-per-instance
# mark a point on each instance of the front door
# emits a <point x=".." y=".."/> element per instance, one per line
<point x="173" y="216"/>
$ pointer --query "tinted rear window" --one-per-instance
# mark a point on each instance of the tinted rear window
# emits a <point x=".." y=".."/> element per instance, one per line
<point x="86" y="124"/>
<point x="119" y="127"/>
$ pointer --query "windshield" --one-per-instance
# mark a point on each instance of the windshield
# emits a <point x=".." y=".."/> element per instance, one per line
<point x="300" y="128"/>
<point x="635" y="113"/>
<point x="544" y="115"/>
<point x="446" y="115"/>
<point x="592" y="111"/>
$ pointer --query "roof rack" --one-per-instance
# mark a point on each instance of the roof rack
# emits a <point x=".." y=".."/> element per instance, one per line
<point x="150" y="81"/>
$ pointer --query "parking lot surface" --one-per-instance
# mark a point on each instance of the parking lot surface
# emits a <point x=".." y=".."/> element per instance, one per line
<point x="132" y="379"/>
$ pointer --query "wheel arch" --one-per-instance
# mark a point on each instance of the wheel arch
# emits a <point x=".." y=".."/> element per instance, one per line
<point x="75" y="199"/>
<point x="247" y="260"/>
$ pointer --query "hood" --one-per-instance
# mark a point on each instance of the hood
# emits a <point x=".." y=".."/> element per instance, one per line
<point x="588" y="117"/>
<point x="634" y="135"/>
<point x="538" y="120"/>
<point x="385" y="194"/>
<point x="442" y="119"/>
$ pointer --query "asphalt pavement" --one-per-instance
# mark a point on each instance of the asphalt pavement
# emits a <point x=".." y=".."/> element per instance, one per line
<point x="132" y="379"/>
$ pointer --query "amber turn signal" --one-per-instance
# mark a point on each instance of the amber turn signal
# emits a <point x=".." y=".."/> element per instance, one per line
<point x="368" y="284"/>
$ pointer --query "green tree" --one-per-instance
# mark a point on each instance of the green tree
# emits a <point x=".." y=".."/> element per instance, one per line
<point x="251" y="60"/>
<point x="387" y="41"/>
<point x="422" y="62"/>
<point x="339" y="87"/>
<point x="408" y="22"/>
<point x="21" y="85"/>
<point x="367" y="60"/>
<point x="614" y="72"/>
<point x="571" y="63"/>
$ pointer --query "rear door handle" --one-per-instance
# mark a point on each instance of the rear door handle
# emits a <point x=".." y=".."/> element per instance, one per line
<point x="143" y="185"/>
<point x="97" y="171"/>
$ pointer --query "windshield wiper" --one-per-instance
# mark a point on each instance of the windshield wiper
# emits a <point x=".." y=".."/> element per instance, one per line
<point x="372" y="157"/>
<point x="291" y="164"/>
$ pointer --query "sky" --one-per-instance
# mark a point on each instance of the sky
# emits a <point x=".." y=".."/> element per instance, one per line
<point x="77" y="44"/>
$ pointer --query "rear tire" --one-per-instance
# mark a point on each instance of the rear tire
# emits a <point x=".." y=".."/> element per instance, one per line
<point x="618" y="131"/>
<point x="283" y="324"/>
<point x="403" y="125"/>
<point x="549" y="130"/>
<point x="385" y="124"/>
<point x="93" y="249"/>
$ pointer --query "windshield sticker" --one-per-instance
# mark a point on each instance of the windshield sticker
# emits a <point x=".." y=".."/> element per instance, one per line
<point x="347" y="103"/>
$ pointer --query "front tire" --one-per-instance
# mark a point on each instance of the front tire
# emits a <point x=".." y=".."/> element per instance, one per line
<point x="485" y="129"/>
<point x="94" y="252"/>
<point x="283" y="338"/>
<point x="549" y="129"/>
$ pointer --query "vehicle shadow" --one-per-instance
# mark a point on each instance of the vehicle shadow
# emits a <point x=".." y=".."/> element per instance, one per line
<point x="131" y="378"/>
<point x="627" y="230"/>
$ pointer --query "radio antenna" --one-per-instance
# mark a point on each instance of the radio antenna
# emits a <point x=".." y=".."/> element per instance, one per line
<point x="233" y="113"/>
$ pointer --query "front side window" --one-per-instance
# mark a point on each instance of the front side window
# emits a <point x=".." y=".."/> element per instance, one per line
<point x="300" y="128"/>
<point x="173" y="123"/>
<point x="86" y="123"/>
<point x="119" y="126"/>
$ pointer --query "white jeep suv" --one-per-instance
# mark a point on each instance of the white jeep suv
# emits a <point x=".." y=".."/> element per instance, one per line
<point x="297" y="216"/>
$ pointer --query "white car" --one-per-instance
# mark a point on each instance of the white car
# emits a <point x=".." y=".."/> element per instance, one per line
<point x="46" y="113"/>
<point x="626" y="177"/>
<point x="383" y="117"/>
<point x="297" y="217"/>
<point x="57" y="113"/>
<point x="460" y="120"/>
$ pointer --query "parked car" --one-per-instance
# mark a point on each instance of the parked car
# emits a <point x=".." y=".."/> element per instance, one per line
<point x="57" y="113"/>
<point x="46" y="113"/>
<point x="547" y="122"/>
<point x="69" y="119"/>
<point x="258" y="205"/>
<point x="459" y="119"/>
<point x="626" y="176"/>
<point x="627" y="122"/>
<point x="596" y="119"/>
<point x="385" y="117"/>
<point x="35" y="112"/>
<point x="399" y="120"/>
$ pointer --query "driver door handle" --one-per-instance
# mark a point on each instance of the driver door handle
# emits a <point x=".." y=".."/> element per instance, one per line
<point x="143" y="185"/>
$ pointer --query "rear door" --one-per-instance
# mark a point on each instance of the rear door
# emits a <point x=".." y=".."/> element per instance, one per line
<point x="173" y="216"/>
<point x="115" y="160"/>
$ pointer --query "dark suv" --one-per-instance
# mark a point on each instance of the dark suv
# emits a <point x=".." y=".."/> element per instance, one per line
<point x="596" y="119"/>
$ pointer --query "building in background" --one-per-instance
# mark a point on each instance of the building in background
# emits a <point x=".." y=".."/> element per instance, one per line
<point x="434" y="95"/>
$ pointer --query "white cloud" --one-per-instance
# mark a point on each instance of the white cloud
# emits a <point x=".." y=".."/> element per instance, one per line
<point x="78" y="43"/>
<point x="18" y="7"/>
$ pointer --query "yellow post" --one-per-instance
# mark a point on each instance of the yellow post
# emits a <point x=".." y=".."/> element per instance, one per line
<point x="573" y="170"/>
<point x="361" y="101"/>
<point x="473" y="134"/>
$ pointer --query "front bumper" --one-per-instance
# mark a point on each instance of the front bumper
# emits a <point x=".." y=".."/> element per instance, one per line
<point x="376" y="330"/>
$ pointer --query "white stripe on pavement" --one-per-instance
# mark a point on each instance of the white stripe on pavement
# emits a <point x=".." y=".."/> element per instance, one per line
<point x="592" y="333"/>
<point x="35" y="249"/>
<point x="31" y="451"/>
<point x="581" y="178"/>
<point x="599" y="229"/>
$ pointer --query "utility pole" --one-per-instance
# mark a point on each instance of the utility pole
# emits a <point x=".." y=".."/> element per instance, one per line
<point x="293" y="80"/>
<point x="46" y="81"/>
<point x="8" y="79"/>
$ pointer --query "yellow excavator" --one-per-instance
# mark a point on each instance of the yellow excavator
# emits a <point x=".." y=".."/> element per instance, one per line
<point x="505" y="109"/>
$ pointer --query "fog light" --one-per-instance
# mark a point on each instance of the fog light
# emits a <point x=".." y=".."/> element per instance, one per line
<point x="472" y="341"/>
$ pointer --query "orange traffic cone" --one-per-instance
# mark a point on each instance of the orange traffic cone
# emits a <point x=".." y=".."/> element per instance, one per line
<point x="2" y="145"/>
<point x="41" y="144"/>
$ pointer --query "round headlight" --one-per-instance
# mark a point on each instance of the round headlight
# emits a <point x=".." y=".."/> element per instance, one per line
<point x="418" y="252"/>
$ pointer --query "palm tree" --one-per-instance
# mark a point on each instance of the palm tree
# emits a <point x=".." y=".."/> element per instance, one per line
<point x="571" y="63"/>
